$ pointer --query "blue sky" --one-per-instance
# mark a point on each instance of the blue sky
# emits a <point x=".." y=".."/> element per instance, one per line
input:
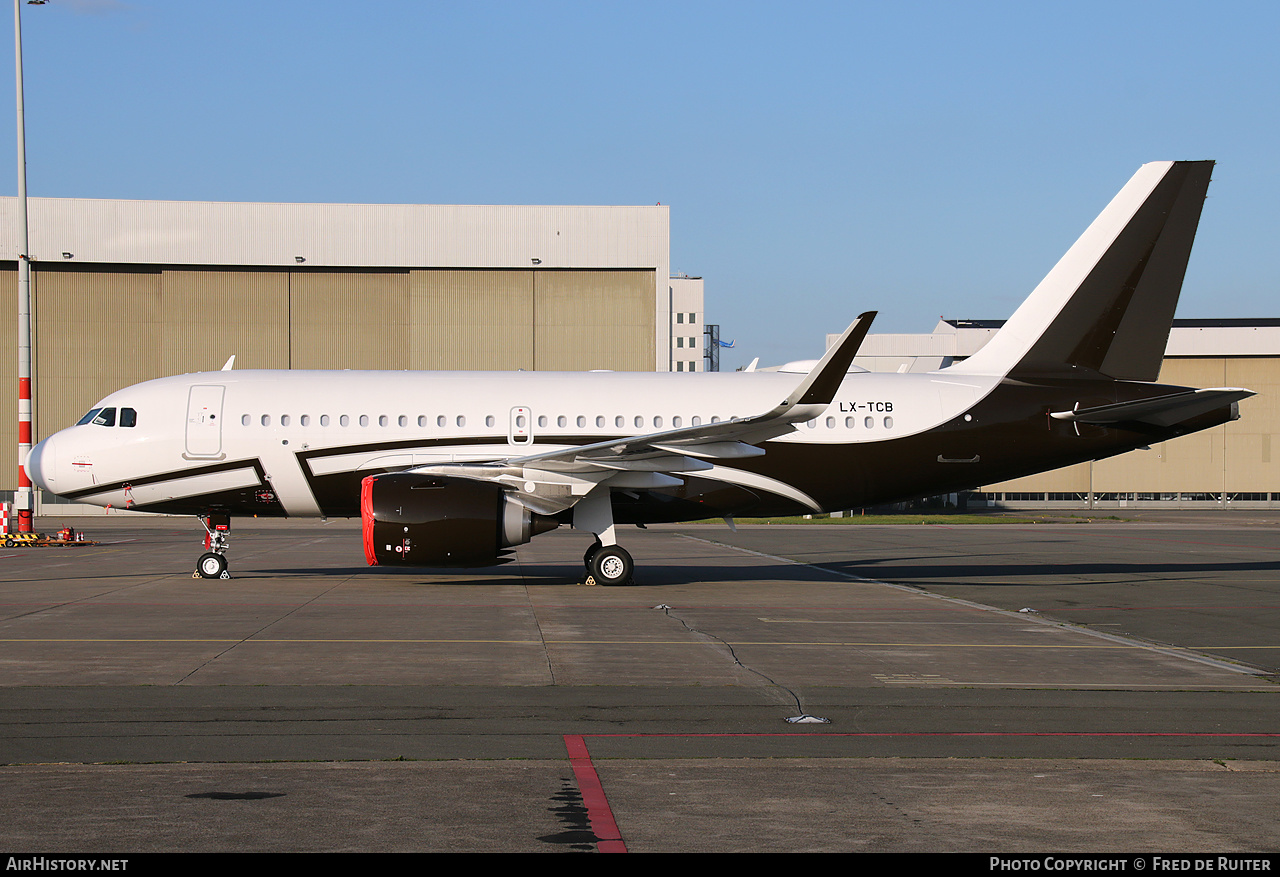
<point x="820" y="159"/>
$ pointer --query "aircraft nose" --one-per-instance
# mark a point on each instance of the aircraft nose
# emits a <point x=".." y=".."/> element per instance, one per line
<point x="41" y="464"/>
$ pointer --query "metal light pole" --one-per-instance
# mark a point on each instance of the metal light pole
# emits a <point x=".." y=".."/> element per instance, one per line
<point x="22" y="501"/>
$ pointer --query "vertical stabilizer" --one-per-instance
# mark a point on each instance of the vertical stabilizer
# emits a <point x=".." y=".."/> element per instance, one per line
<point x="1106" y="307"/>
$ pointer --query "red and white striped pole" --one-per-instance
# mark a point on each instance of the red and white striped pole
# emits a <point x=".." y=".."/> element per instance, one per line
<point x="22" y="500"/>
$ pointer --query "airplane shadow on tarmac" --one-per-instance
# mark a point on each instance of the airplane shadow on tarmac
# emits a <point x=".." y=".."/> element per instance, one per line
<point x="656" y="575"/>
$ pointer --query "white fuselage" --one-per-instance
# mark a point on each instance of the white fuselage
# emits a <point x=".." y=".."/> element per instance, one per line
<point x="282" y="435"/>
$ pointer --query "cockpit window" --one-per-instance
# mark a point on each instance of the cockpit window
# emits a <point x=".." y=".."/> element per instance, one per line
<point x="106" y="417"/>
<point x="88" y="418"/>
<point x="128" y="417"/>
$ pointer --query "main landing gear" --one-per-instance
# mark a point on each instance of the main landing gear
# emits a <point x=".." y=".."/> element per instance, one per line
<point x="607" y="562"/>
<point x="609" y="565"/>
<point x="213" y="563"/>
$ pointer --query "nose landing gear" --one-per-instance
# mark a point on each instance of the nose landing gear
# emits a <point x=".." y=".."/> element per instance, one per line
<point x="213" y="563"/>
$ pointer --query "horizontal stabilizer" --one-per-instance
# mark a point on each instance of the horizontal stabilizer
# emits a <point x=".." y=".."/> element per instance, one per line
<point x="1161" y="411"/>
<point x="1107" y="306"/>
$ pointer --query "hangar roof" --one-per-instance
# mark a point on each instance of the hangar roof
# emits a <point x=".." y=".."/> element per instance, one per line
<point x="341" y="235"/>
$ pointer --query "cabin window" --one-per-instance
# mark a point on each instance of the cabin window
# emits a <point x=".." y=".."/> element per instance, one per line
<point x="677" y="421"/>
<point x="403" y="420"/>
<point x="305" y="420"/>
<point x="831" y="423"/>
<point x="441" y="421"/>
<point x="383" y="420"/>
<point x="888" y="423"/>
<point x="462" y="420"/>
<point x="344" y="420"/>
<point x="422" y="420"/>
<point x="245" y="420"/>
<point x="639" y="422"/>
<point x="657" y="422"/>
<point x="619" y="421"/>
<point x="562" y="421"/>
<point x="542" y="420"/>
<point x="849" y="422"/>
<point x="489" y="420"/>
<point x="715" y="419"/>
<point x="582" y="421"/>
<point x="284" y="419"/>
<point x="266" y="420"/>
<point x="869" y="422"/>
<point x="364" y="419"/>
<point x="324" y="419"/>
<point x="88" y="418"/>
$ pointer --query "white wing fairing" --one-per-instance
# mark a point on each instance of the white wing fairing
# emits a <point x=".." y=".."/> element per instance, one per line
<point x="454" y="469"/>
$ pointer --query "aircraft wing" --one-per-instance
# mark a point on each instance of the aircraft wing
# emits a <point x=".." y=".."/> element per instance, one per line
<point x="555" y="480"/>
<point x="1160" y="411"/>
<point x="686" y="449"/>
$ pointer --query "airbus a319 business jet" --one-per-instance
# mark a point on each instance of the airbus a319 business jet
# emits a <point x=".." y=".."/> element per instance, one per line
<point x="455" y="468"/>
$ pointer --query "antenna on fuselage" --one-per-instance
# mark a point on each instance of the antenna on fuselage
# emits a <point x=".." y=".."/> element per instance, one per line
<point x="227" y="366"/>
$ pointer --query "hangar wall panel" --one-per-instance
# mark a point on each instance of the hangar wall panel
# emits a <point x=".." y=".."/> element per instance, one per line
<point x="9" y="380"/>
<point x="471" y="320"/>
<point x="594" y="320"/>
<point x="209" y="315"/>
<point x="94" y="333"/>
<point x="355" y="320"/>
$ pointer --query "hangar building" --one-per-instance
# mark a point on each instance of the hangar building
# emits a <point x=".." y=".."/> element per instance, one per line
<point x="125" y="291"/>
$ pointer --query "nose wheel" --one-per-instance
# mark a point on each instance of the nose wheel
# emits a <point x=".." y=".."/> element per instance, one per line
<point x="213" y="563"/>
<point x="212" y="566"/>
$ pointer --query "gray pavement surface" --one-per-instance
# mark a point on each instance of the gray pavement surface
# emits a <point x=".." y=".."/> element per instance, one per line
<point x="311" y="703"/>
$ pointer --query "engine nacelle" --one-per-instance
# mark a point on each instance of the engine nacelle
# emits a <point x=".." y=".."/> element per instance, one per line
<point x="417" y="519"/>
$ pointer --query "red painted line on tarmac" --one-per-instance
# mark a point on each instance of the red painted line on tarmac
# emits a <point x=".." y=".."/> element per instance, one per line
<point x="819" y="734"/>
<point x="609" y="839"/>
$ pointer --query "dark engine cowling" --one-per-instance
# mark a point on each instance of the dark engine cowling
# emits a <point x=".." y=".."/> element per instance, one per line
<point x="415" y="519"/>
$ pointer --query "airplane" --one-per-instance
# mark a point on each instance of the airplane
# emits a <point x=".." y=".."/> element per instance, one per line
<point x="454" y="469"/>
